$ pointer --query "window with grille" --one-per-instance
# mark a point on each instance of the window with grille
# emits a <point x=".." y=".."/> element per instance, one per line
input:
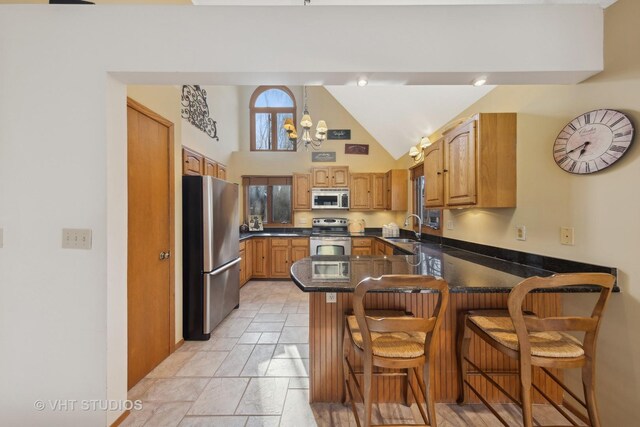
<point x="269" y="107"/>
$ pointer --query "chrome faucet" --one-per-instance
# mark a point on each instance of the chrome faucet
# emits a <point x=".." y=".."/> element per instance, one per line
<point x="419" y="232"/>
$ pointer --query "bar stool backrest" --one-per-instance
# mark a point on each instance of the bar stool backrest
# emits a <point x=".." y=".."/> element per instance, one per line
<point x="368" y="324"/>
<point x="525" y="324"/>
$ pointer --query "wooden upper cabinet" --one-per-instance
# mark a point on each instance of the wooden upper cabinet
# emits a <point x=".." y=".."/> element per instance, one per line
<point x="321" y="177"/>
<point x="301" y="191"/>
<point x="360" y="191"/>
<point x="222" y="171"/>
<point x="378" y="191"/>
<point x="397" y="188"/>
<point x="192" y="162"/>
<point x="330" y="176"/>
<point x="480" y="162"/>
<point x="339" y="176"/>
<point x="210" y="167"/>
<point x="433" y="175"/>
<point x="460" y="160"/>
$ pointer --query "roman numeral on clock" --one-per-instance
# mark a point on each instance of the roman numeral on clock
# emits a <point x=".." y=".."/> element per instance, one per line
<point x="616" y="122"/>
<point x="572" y="126"/>
<point x="618" y="148"/>
<point x="559" y="150"/>
<point x="587" y="118"/>
<point x="573" y="166"/>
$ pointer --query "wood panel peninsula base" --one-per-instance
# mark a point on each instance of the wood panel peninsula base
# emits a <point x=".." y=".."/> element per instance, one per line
<point x="475" y="282"/>
<point x="326" y="328"/>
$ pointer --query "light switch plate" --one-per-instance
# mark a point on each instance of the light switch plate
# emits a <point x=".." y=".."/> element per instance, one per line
<point x="449" y="225"/>
<point x="566" y="236"/>
<point x="332" y="297"/>
<point x="521" y="232"/>
<point x="1" y="237"/>
<point x="76" y="238"/>
<point x="303" y="220"/>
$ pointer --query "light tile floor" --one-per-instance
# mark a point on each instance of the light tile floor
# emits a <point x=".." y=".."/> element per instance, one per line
<point x="254" y="372"/>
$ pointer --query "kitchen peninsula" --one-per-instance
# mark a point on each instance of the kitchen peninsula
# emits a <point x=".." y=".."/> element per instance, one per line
<point x="475" y="281"/>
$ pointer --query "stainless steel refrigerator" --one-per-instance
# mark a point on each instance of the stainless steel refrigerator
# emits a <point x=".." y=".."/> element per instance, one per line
<point x="211" y="261"/>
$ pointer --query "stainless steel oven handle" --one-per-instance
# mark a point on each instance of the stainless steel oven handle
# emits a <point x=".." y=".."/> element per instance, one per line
<point x="207" y="292"/>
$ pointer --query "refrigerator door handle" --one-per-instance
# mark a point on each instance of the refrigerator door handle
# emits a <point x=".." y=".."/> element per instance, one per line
<point x="224" y="267"/>
<point x="207" y="292"/>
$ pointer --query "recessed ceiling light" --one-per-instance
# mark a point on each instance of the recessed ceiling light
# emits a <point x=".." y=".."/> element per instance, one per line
<point x="480" y="81"/>
<point x="362" y="82"/>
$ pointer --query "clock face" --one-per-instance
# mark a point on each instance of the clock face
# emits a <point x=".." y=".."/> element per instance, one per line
<point x="593" y="141"/>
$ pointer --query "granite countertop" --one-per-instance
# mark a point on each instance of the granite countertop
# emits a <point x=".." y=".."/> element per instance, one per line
<point x="466" y="272"/>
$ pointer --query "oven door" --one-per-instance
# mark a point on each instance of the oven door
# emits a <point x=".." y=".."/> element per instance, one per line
<point x="330" y="245"/>
<point x="330" y="270"/>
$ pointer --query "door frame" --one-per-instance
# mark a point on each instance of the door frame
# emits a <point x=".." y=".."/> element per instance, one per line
<point x="172" y="233"/>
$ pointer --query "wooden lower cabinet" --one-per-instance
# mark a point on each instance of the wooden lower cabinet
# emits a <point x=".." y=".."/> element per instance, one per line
<point x="260" y="261"/>
<point x="280" y="257"/>
<point x="271" y="257"/>
<point x="378" y="247"/>
<point x="361" y="246"/>
<point x="299" y="248"/>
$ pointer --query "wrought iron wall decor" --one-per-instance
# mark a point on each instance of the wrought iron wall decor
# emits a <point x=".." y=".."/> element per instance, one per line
<point x="196" y="111"/>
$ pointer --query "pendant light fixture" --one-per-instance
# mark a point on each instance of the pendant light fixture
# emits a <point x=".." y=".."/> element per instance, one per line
<point x="306" y="140"/>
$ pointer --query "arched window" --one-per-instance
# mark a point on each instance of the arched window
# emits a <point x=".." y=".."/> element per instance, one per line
<point x="269" y="107"/>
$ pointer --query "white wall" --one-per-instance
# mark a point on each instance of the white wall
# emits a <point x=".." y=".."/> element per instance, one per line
<point x="62" y="144"/>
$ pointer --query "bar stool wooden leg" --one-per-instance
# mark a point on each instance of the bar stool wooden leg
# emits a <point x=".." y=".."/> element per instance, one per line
<point x="428" y="396"/>
<point x="368" y="389"/>
<point x="345" y="367"/>
<point x="589" y="385"/>
<point x="463" y="340"/>
<point x="405" y="388"/>
<point x="526" y="394"/>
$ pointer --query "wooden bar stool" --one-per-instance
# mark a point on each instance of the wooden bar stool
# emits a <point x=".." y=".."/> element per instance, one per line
<point x="393" y="340"/>
<point x="535" y="341"/>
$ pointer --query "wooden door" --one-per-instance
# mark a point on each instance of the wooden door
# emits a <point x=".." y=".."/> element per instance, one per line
<point x="339" y="176"/>
<point x="210" y="167"/>
<point x="377" y="191"/>
<point x="433" y="182"/>
<point x="460" y="165"/>
<point x="260" y="258"/>
<point x="360" y="190"/>
<point x="301" y="191"/>
<point x="280" y="249"/>
<point x="150" y="275"/>
<point x="321" y="177"/>
<point x="222" y="171"/>
<point x="192" y="162"/>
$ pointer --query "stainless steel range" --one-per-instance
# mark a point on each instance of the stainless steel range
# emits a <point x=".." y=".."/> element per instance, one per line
<point x="330" y="236"/>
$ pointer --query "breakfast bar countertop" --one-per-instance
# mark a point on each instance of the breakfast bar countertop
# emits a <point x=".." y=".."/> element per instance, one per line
<point x="466" y="272"/>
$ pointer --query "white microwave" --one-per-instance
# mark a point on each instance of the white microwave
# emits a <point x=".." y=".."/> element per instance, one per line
<point x="329" y="198"/>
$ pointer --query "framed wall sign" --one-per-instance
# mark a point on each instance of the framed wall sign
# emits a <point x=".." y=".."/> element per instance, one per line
<point x="255" y="222"/>
<point x="323" y="156"/>
<point x="356" y="149"/>
<point x="339" y="134"/>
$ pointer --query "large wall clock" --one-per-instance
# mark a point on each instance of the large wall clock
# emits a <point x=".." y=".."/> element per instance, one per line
<point x="593" y="141"/>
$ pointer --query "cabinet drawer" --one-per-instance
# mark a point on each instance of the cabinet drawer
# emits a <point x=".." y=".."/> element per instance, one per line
<point x="300" y="241"/>
<point x="276" y="241"/>
<point x="361" y="241"/>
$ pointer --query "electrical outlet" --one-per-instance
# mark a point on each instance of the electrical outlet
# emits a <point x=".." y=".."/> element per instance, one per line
<point x="566" y="236"/>
<point x="449" y="225"/>
<point x="521" y="232"/>
<point x="76" y="238"/>
<point x="302" y="220"/>
<point x="331" y="297"/>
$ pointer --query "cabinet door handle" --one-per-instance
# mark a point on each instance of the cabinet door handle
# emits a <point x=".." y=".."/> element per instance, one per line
<point x="445" y="170"/>
<point x="438" y="173"/>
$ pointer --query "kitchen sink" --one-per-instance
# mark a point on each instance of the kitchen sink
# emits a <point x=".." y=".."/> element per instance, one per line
<point x="401" y="240"/>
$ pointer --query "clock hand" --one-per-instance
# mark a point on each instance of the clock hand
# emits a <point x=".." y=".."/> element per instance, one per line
<point x="579" y="147"/>
<point x="582" y="152"/>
